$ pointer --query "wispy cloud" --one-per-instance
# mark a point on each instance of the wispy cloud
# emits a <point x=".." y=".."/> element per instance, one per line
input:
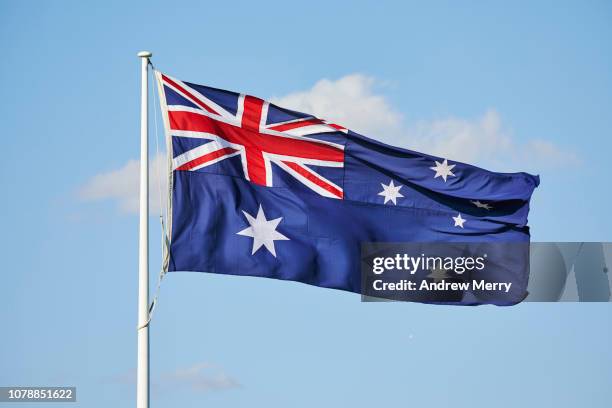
<point x="127" y="378"/>
<point x="487" y="142"/>
<point x="122" y="186"/>
<point x="200" y="377"/>
<point x="354" y="101"/>
<point x="350" y="101"/>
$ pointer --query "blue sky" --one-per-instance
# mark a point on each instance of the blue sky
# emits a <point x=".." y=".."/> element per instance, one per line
<point x="526" y="86"/>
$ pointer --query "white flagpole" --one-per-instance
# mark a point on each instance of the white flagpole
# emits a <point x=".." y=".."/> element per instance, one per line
<point x="142" y="381"/>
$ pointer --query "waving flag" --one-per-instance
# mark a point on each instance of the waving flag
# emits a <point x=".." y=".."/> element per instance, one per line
<point x="260" y="190"/>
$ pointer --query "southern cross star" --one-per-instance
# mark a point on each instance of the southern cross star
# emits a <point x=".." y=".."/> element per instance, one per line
<point x="390" y="192"/>
<point x="459" y="221"/>
<point x="262" y="231"/>
<point x="482" y="205"/>
<point x="443" y="169"/>
<point x="438" y="274"/>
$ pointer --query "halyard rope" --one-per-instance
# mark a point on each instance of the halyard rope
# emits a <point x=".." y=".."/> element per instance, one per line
<point x="164" y="240"/>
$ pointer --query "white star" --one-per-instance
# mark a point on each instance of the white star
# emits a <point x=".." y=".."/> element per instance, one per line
<point x="262" y="231"/>
<point x="458" y="221"/>
<point x="481" y="205"/>
<point x="390" y="192"/>
<point x="443" y="169"/>
<point x="438" y="274"/>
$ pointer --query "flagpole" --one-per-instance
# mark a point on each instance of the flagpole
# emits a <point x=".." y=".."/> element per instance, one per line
<point x="142" y="380"/>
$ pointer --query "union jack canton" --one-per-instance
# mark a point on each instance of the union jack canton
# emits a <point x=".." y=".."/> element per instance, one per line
<point x="258" y="132"/>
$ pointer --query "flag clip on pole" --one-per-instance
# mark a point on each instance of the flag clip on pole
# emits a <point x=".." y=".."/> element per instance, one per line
<point x="142" y="380"/>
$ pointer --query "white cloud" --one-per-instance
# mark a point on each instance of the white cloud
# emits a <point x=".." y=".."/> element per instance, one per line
<point x="122" y="186"/>
<point x="353" y="101"/>
<point x="486" y="142"/>
<point x="200" y="377"/>
<point x="349" y="101"/>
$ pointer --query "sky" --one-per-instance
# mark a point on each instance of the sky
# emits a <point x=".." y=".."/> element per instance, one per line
<point x="513" y="87"/>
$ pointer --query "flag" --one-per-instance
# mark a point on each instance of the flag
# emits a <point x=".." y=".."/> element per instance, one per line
<point x="260" y="190"/>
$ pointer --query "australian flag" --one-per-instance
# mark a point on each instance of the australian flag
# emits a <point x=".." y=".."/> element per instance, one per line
<point x="260" y="190"/>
